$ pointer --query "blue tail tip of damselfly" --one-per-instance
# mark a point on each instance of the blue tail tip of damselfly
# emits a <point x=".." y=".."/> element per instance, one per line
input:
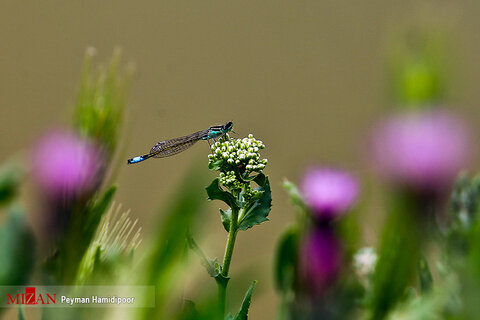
<point x="135" y="160"/>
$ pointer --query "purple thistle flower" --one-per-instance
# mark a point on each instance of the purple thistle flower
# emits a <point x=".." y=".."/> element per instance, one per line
<point x="329" y="192"/>
<point x="64" y="165"/>
<point x="424" y="150"/>
<point x="320" y="260"/>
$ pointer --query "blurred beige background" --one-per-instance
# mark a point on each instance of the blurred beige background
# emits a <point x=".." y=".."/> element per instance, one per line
<point x="306" y="77"/>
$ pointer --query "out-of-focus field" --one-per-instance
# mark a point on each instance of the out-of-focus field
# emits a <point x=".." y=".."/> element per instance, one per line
<point x="306" y="77"/>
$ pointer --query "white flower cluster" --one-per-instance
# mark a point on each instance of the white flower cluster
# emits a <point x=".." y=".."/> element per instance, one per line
<point x="238" y="155"/>
<point x="229" y="179"/>
<point x="239" y="152"/>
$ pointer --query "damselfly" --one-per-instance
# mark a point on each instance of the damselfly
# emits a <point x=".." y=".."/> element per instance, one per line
<point x="170" y="147"/>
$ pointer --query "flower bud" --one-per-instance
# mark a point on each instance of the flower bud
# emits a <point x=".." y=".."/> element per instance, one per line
<point x="320" y="260"/>
<point x="65" y="165"/>
<point x="424" y="150"/>
<point x="329" y="192"/>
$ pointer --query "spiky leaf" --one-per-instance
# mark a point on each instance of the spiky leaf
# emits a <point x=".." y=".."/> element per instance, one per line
<point x="286" y="259"/>
<point x="215" y="192"/>
<point x="226" y="218"/>
<point x="242" y="314"/>
<point x="259" y="207"/>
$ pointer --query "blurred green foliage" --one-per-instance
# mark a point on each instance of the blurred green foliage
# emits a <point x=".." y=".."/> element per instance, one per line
<point x="62" y="267"/>
<point x="399" y="251"/>
<point x="18" y="248"/>
<point x="10" y="178"/>
<point x="286" y="260"/>
<point x="462" y="214"/>
<point x="111" y="250"/>
<point x="101" y="101"/>
<point x="418" y="82"/>
<point x="17" y="253"/>
<point x="98" y="117"/>
<point x="167" y="251"/>
<point x="417" y="61"/>
<point x="78" y="256"/>
<point x="17" y="243"/>
<point x="425" y="278"/>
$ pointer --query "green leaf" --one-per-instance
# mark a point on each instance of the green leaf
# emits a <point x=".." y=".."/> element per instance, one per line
<point x="469" y="294"/>
<point x="84" y="224"/>
<point x="17" y="253"/>
<point x="229" y="317"/>
<point x="89" y="224"/>
<point x="217" y="165"/>
<point x="213" y="266"/>
<point x="258" y="208"/>
<point x="245" y="179"/>
<point x="242" y="314"/>
<point x="215" y="192"/>
<point x="261" y="179"/>
<point x="9" y="183"/>
<point x="98" y="209"/>
<point x="166" y="254"/>
<point x="348" y="232"/>
<point x="398" y="254"/>
<point x="286" y="259"/>
<point x="226" y="218"/>
<point x="424" y="276"/>
<point x="101" y="101"/>
<point x="189" y="310"/>
<point x="295" y="196"/>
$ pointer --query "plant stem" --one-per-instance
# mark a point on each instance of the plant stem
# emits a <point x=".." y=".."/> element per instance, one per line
<point x="222" y="294"/>
<point x="232" y="235"/>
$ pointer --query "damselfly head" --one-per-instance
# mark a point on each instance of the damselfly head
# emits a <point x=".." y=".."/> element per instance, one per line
<point x="228" y="127"/>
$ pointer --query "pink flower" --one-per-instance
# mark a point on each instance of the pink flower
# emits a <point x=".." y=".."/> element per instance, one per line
<point x="329" y="192"/>
<point x="65" y="165"/>
<point x="320" y="260"/>
<point x="423" y="150"/>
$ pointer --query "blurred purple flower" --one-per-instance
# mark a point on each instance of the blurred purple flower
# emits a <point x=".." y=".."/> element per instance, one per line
<point x="329" y="192"/>
<point x="65" y="165"/>
<point x="422" y="150"/>
<point x="320" y="260"/>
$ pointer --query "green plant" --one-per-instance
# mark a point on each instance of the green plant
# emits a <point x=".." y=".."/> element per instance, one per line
<point x="239" y="165"/>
